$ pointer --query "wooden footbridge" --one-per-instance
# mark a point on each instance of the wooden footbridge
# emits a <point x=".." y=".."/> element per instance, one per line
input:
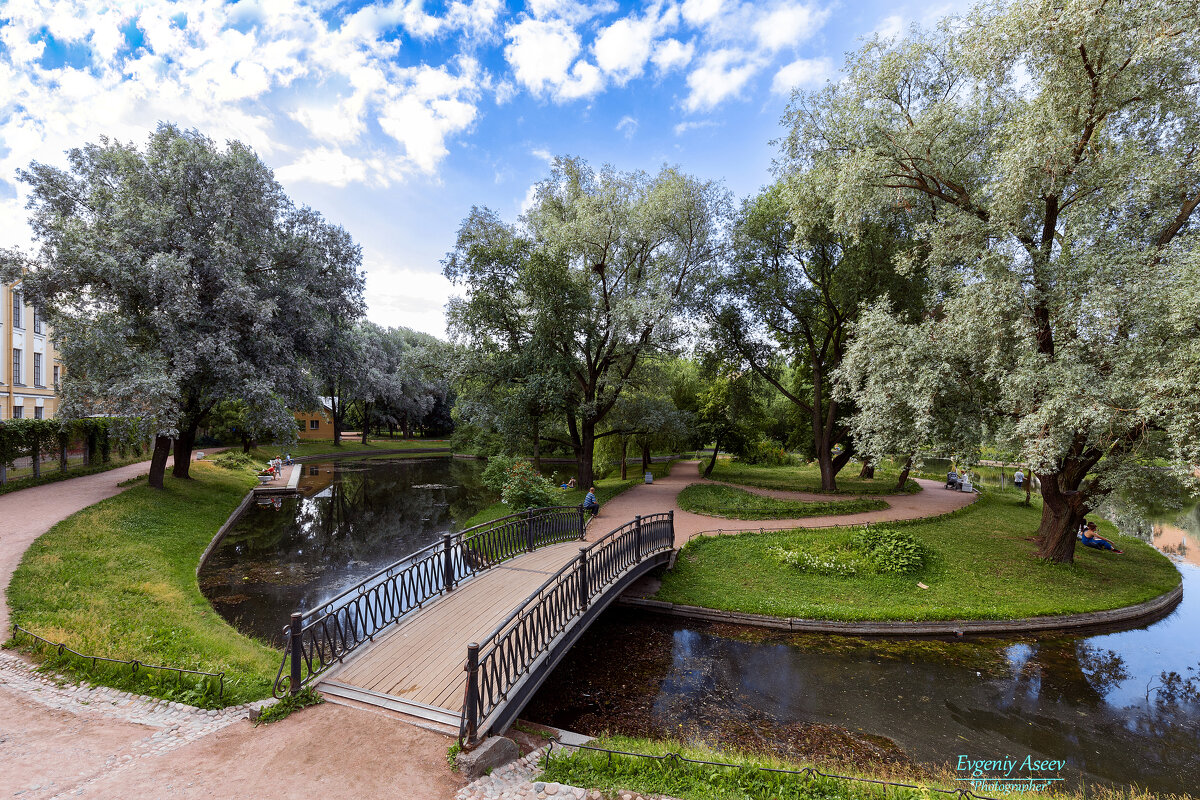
<point x="463" y="632"/>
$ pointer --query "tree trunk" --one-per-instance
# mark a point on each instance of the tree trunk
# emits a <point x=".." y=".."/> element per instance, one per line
<point x="903" y="479"/>
<point x="1028" y="486"/>
<point x="645" y="459"/>
<point x="624" y="455"/>
<point x="587" y="453"/>
<point x="37" y="460"/>
<point x="537" y="444"/>
<point x="366" y="428"/>
<point x="183" y="452"/>
<point x="158" y="461"/>
<point x="407" y="427"/>
<point x="245" y="444"/>
<point x="1062" y="513"/>
<point x="712" y="461"/>
<point x="867" y="471"/>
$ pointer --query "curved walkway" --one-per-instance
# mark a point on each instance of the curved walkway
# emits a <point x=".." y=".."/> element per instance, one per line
<point x="933" y="500"/>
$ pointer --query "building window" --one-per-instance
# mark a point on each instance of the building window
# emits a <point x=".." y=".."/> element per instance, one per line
<point x="37" y="321"/>
<point x="56" y="369"/>
<point x="16" y="375"/>
<point x="37" y="412"/>
<point x="314" y="424"/>
<point x="18" y="412"/>
<point x="16" y="296"/>
<point x="37" y="371"/>
<point x="314" y="470"/>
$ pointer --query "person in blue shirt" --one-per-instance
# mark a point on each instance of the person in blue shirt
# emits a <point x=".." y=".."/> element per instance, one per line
<point x="590" y="503"/>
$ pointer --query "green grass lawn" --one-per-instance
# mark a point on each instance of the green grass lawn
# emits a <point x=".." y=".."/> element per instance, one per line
<point x="118" y="579"/>
<point x="979" y="564"/>
<point x="748" y="780"/>
<point x="806" y="478"/>
<point x="716" y="500"/>
<point x="23" y="478"/>
<point x="348" y="446"/>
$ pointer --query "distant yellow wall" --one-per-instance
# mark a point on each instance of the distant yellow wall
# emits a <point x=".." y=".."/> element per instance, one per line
<point x="26" y="390"/>
<point x="307" y="430"/>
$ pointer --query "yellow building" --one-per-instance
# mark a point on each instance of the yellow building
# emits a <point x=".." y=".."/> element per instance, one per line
<point x="30" y="369"/>
<point x="315" y="424"/>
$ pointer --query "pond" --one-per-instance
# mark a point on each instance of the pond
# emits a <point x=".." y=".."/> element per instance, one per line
<point x="355" y="517"/>
<point x="1120" y="707"/>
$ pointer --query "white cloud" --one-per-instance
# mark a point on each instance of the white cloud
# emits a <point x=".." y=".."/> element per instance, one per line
<point x="542" y="153"/>
<point x="789" y="24"/>
<point x="721" y="75"/>
<point x="419" y="305"/>
<point x="701" y="12"/>
<point x="332" y="167"/>
<point x="541" y="52"/>
<point x="684" y="127"/>
<point x="802" y="73"/>
<point x="623" y="48"/>
<point x="627" y="126"/>
<point x="890" y="26"/>
<point x="672" y="53"/>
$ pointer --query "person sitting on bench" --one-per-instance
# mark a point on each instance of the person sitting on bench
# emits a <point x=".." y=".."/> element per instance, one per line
<point x="952" y="480"/>
<point x="1091" y="538"/>
<point x="590" y="503"/>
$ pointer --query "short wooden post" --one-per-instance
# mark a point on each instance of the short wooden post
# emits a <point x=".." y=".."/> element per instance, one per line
<point x="529" y="545"/>
<point x="37" y="460"/>
<point x="637" y="536"/>
<point x="583" y="579"/>
<point x="447" y="562"/>
<point x="472" y="709"/>
<point x="297" y="647"/>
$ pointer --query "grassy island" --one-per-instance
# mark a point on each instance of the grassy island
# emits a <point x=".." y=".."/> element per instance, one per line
<point x="978" y="563"/>
<point x="730" y="502"/>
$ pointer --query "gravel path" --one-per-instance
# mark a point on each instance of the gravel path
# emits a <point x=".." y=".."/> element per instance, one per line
<point x="933" y="500"/>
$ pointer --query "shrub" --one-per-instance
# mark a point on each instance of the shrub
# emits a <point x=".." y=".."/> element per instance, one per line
<point x="890" y="549"/>
<point x="526" y="487"/>
<point x="495" y="474"/>
<point x="765" y="453"/>
<point x="232" y="460"/>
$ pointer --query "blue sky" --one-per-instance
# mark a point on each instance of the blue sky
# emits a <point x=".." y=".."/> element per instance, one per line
<point x="394" y="118"/>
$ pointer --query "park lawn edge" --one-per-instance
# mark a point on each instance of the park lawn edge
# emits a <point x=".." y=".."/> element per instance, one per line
<point x="977" y="567"/>
<point x="118" y="579"/>
<point x="769" y="508"/>
<point x="805" y="478"/>
<point x="594" y="770"/>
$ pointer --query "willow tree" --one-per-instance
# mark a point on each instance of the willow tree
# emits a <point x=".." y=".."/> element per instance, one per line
<point x="1054" y="146"/>
<point x="589" y="285"/>
<point x="179" y="276"/>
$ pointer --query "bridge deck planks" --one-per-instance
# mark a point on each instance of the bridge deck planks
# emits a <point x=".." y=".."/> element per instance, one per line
<point x="421" y="659"/>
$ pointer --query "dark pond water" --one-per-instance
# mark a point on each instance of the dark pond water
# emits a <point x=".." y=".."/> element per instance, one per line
<point x="1120" y="708"/>
<point x="355" y="518"/>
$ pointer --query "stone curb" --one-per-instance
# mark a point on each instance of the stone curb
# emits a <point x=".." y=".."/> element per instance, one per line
<point x="1157" y="607"/>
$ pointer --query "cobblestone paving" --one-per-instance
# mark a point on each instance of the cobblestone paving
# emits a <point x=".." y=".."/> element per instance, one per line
<point x="518" y="781"/>
<point x="170" y="724"/>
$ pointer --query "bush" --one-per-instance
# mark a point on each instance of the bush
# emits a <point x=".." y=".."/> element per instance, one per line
<point x="766" y="453"/>
<point x="527" y="487"/>
<point x="495" y="474"/>
<point x="232" y="460"/>
<point x="890" y="549"/>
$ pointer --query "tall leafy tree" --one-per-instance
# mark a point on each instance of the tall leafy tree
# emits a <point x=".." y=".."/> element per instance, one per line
<point x="591" y="283"/>
<point x="785" y="303"/>
<point x="179" y="276"/>
<point x="1056" y="147"/>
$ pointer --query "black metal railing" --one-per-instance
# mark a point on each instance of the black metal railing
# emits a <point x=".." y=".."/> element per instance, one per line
<point x="132" y="663"/>
<point x="677" y="760"/>
<point x="497" y="663"/>
<point x="317" y="639"/>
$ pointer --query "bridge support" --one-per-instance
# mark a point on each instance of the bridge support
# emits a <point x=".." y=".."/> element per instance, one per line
<point x="447" y="562"/>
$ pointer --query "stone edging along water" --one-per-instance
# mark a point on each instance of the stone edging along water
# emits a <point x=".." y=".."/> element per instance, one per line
<point x="1153" y="609"/>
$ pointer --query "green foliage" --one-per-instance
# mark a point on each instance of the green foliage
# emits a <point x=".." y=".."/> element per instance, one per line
<point x="730" y="502"/>
<point x="281" y="709"/>
<point x="765" y="452"/>
<point x="979" y="564"/>
<point x="495" y="474"/>
<point x="526" y="487"/>
<point x="231" y="459"/>
<point x="807" y="478"/>
<point x="889" y="549"/>
<point x="452" y="755"/>
<point x="118" y="579"/>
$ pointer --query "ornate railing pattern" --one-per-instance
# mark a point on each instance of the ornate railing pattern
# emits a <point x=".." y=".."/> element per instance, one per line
<point x="497" y="663"/>
<point x="317" y="639"/>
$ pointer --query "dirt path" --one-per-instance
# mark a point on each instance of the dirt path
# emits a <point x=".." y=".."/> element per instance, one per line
<point x="661" y="495"/>
<point x="79" y="743"/>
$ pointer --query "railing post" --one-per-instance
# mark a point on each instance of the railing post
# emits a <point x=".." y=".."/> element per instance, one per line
<point x="472" y="709"/>
<point x="583" y="579"/>
<point x="582" y="530"/>
<point x="297" y="646"/>
<point x="447" y="563"/>
<point x="529" y="529"/>
<point x="671" y="523"/>
<point x="637" y="536"/>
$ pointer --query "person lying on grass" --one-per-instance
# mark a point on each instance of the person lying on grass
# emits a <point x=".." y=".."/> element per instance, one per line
<point x="1093" y="539"/>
